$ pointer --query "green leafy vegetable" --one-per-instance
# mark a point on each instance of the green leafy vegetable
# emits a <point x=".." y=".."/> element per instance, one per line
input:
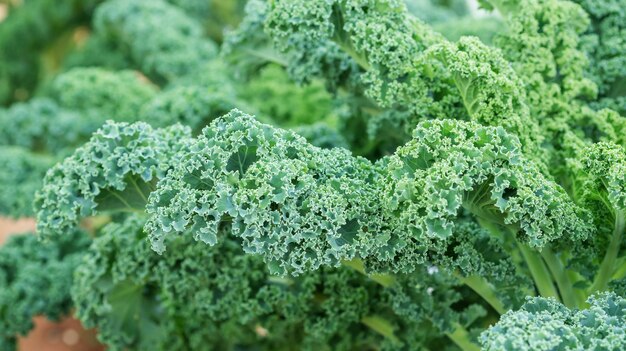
<point x="316" y="174"/>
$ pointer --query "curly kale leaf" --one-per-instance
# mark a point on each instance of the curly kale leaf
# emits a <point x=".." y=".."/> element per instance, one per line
<point x="601" y="187"/>
<point x="112" y="289"/>
<point x="374" y="45"/>
<point x="404" y="69"/>
<point x="101" y="95"/>
<point x="247" y="48"/>
<point x="321" y="135"/>
<point x="21" y="174"/>
<point x="194" y="106"/>
<point x="274" y="95"/>
<point x="296" y="204"/>
<point x="160" y="38"/>
<point x="450" y="165"/>
<point x="41" y="125"/>
<point x="194" y="297"/>
<point x="604" y="164"/>
<point x="547" y="49"/>
<point x="491" y="91"/>
<point x="544" y="324"/>
<point x="606" y="45"/>
<point x="114" y="171"/>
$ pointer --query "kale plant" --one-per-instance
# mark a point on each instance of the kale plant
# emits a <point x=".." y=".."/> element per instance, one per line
<point x="317" y="174"/>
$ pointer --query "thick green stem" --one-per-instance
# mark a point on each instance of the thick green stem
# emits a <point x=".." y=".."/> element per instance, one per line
<point x="581" y="294"/>
<point x="539" y="272"/>
<point x="464" y="86"/>
<point x="492" y="228"/>
<point x="381" y="326"/>
<point x="460" y="337"/>
<point x="620" y="269"/>
<point x="359" y="59"/>
<point x="608" y="263"/>
<point x="566" y="288"/>
<point x="386" y="280"/>
<point x="485" y="290"/>
<point x="344" y="41"/>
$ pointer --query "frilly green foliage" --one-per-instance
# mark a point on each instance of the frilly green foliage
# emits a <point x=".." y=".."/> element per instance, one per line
<point x="193" y="106"/>
<point x="605" y="166"/>
<point x="547" y="53"/>
<point x="144" y="301"/>
<point x="476" y="256"/>
<point x="41" y="125"/>
<point x="406" y="70"/>
<point x="193" y="298"/>
<point x="98" y="51"/>
<point x="159" y="37"/>
<point x="607" y="48"/>
<point x="403" y="186"/>
<point x="21" y="174"/>
<point x="545" y="324"/>
<point x="432" y="300"/>
<point x="490" y="89"/>
<point x="248" y="48"/>
<point x="261" y="179"/>
<point x="48" y="128"/>
<point x="275" y="95"/>
<point x="601" y="187"/>
<point x="302" y="30"/>
<point x="386" y="47"/>
<point x="534" y="35"/>
<point x="120" y="157"/>
<point x="321" y="135"/>
<point x="35" y="279"/>
<point x="451" y="165"/>
<point x="101" y="95"/>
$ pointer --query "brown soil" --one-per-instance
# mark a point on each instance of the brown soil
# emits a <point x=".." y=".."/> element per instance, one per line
<point x="66" y="335"/>
<point x="10" y="226"/>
